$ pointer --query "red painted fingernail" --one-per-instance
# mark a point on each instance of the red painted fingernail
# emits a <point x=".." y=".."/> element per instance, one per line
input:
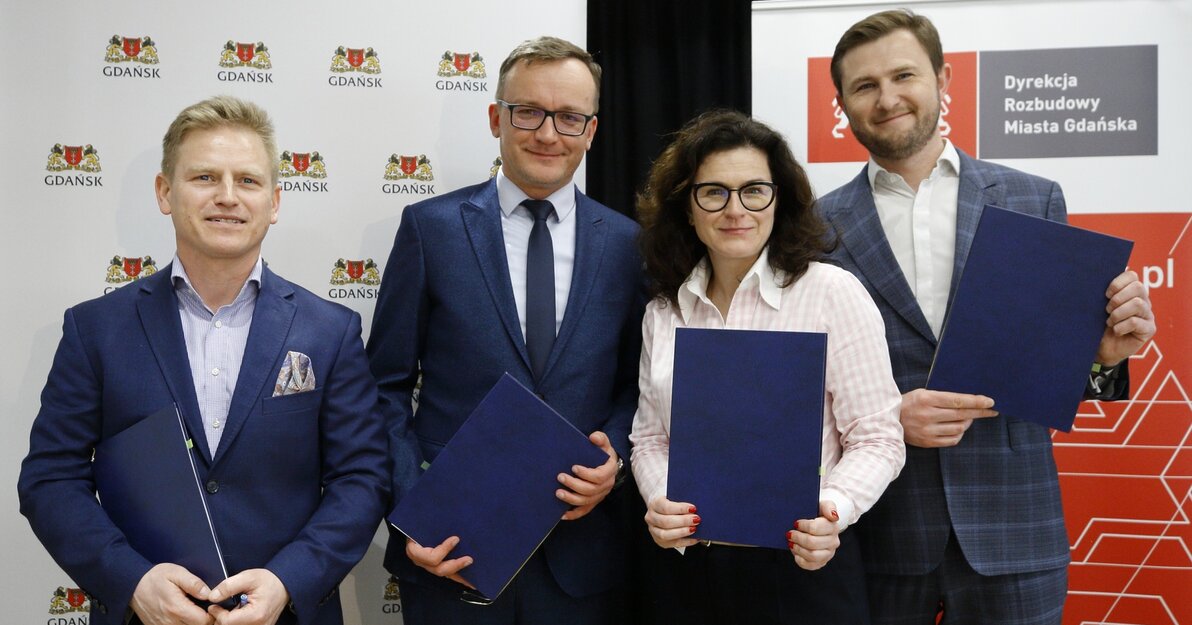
<point x="835" y="516"/>
<point x="696" y="520"/>
<point x="691" y="530"/>
<point x="691" y="510"/>
<point x="790" y="544"/>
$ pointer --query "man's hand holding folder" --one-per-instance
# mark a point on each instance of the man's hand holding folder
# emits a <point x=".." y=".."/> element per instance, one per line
<point x="586" y="487"/>
<point x="1131" y="321"/>
<point x="1037" y="305"/>
<point x="167" y="595"/>
<point x="583" y="489"/>
<point x="434" y="559"/>
<point x="940" y="418"/>
<point x="163" y="597"/>
<point x="491" y="505"/>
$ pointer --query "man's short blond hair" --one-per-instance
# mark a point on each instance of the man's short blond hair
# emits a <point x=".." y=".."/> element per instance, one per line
<point x="217" y="112"/>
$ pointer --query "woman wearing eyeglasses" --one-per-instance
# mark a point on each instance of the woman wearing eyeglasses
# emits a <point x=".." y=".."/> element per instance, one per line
<point x="731" y="240"/>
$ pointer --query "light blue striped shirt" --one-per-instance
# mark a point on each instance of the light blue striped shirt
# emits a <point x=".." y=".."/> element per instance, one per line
<point x="215" y="345"/>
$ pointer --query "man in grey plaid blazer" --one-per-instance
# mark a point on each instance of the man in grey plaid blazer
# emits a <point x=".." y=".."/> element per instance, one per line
<point x="973" y="526"/>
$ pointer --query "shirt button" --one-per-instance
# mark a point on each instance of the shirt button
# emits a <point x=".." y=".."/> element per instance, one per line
<point x="212" y="487"/>
<point x="218" y="324"/>
<point x="215" y="371"/>
<point x="216" y="423"/>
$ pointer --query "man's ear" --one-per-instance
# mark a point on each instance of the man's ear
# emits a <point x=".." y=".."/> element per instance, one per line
<point x="161" y="189"/>
<point x="494" y="119"/>
<point x="944" y="78"/>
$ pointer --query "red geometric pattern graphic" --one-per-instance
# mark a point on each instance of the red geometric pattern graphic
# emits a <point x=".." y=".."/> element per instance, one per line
<point x="1126" y="467"/>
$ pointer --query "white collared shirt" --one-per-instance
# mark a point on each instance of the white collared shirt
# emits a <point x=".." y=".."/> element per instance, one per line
<point x="516" y="223"/>
<point x="921" y="229"/>
<point x="862" y="448"/>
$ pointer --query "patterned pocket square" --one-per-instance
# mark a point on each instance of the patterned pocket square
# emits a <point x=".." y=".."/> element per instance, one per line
<point x="296" y="375"/>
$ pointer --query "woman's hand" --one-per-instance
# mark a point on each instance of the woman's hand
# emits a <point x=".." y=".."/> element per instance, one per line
<point x="813" y="542"/>
<point x="671" y="523"/>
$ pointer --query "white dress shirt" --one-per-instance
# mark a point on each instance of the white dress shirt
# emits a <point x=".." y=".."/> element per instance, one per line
<point x="921" y="229"/>
<point x="516" y="223"/>
<point x="862" y="445"/>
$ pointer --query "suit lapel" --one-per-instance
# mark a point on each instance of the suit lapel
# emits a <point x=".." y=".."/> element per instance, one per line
<point x="975" y="192"/>
<point x="861" y="232"/>
<point x="482" y="220"/>
<point x="590" y="235"/>
<point x="271" y="321"/>
<point x="158" y="311"/>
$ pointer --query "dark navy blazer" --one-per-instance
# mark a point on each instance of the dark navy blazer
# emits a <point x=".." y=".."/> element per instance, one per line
<point x="299" y="481"/>
<point x="446" y="312"/>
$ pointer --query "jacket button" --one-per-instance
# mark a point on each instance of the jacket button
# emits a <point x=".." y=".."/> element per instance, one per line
<point x="212" y="487"/>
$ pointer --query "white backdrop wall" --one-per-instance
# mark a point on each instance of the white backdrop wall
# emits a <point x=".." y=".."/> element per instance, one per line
<point x="63" y="86"/>
<point x="1126" y="468"/>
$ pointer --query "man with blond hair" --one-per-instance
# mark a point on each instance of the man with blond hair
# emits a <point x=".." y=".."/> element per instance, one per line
<point x="271" y="382"/>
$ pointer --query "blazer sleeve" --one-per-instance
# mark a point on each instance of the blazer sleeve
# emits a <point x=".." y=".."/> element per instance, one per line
<point x="56" y="486"/>
<point x="355" y="475"/>
<point x="620" y="422"/>
<point x="398" y="336"/>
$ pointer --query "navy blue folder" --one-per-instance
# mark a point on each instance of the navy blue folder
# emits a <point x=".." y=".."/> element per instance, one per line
<point x="494" y="485"/>
<point x="747" y="413"/>
<point x="149" y="486"/>
<point x="1028" y="315"/>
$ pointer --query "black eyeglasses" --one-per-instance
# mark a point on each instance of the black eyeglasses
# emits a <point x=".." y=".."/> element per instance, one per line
<point x="712" y="197"/>
<point x="531" y="118"/>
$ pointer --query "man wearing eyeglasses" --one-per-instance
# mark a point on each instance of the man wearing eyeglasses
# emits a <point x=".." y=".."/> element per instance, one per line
<point x="526" y="275"/>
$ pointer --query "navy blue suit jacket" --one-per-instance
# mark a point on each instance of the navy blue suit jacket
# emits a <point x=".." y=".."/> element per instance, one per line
<point x="446" y="312"/>
<point x="998" y="489"/>
<point x="302" y="479"/>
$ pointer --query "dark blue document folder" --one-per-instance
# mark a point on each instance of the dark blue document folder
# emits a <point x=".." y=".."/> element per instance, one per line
<point x="149" y="486"/>
<point x="1028" y="315"/>
<point x="494" y="485"/>
<point x="747" y="413"/>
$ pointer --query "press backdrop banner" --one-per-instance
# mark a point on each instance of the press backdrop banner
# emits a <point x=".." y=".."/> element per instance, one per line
<point x="1091" y="94"/>
<point x="377" y="105"/>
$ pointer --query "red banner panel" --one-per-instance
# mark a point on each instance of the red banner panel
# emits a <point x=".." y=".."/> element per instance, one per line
<point x="1126" y="467"/>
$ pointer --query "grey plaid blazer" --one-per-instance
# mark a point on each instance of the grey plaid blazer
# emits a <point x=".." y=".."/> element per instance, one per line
<point x="998" y="489"/>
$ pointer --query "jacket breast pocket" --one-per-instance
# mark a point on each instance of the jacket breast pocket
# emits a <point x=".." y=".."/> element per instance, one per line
<point x="298" y="402"/>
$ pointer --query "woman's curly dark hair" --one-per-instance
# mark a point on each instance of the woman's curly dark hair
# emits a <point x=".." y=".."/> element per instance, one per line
<point x="668" y="241"/>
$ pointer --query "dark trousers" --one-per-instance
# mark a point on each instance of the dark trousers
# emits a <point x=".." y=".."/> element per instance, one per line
<point x="532" y="598"/>
<point x="723" y="585"/>
<point x="966" y="597"/>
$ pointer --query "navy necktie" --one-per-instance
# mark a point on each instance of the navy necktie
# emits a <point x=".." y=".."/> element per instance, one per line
<point x="540" y="287"/>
